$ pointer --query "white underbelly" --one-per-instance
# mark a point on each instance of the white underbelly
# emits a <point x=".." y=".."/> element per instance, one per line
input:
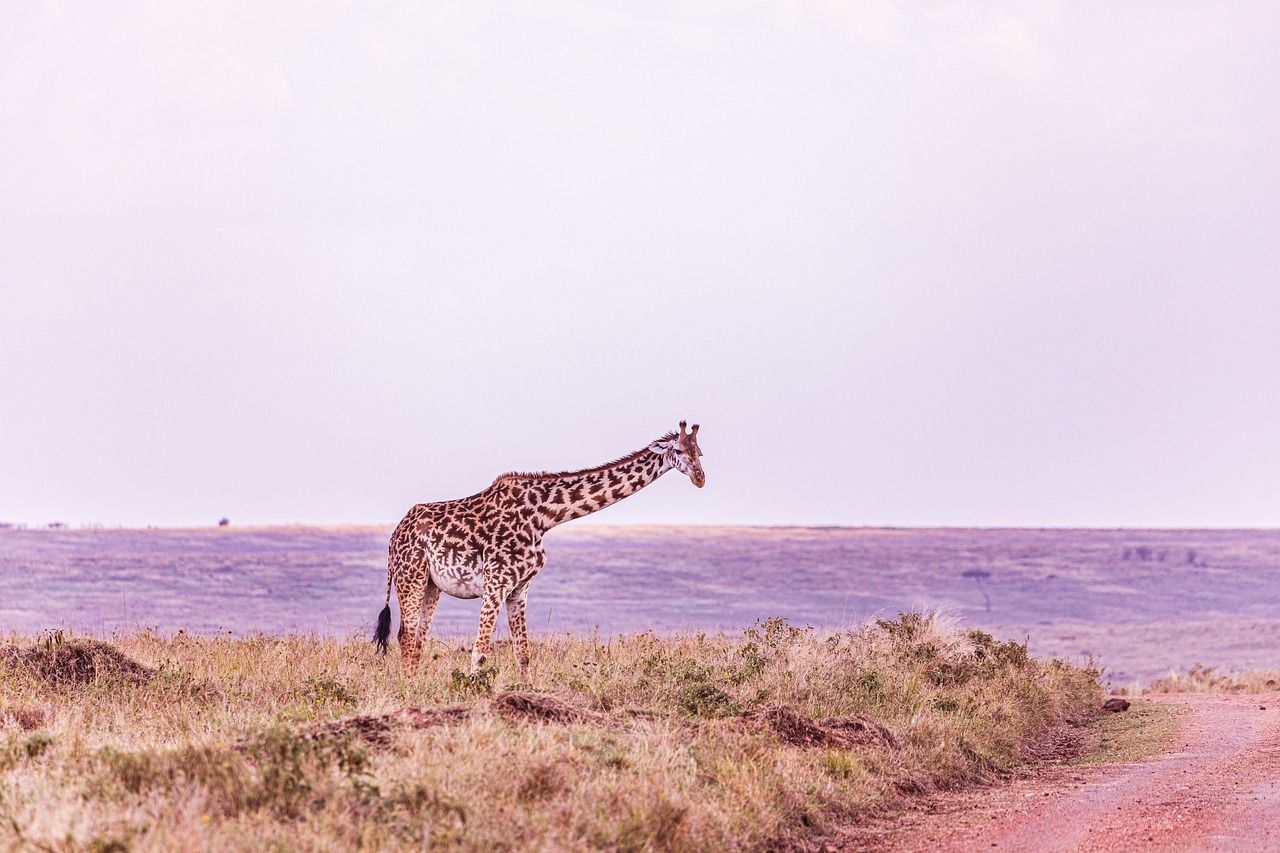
<point x="460" y="581"/>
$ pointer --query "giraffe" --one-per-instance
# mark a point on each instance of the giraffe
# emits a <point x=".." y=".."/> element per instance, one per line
<point x="489" y="545"/>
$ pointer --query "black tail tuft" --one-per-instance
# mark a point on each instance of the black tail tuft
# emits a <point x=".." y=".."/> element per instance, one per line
<point x="384" y="629"/>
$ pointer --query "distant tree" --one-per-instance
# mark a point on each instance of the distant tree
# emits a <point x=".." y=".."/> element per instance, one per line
<point x="223" y="522"/>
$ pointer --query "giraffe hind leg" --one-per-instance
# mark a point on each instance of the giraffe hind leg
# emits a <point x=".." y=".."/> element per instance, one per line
<point x="411" y="598"/>
<point x="416" y="627"/>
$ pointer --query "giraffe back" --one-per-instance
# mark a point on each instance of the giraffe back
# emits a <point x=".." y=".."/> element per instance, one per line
<point x="459" y="543"/>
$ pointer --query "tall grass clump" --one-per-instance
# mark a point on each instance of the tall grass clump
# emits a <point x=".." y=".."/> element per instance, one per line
<point x="760" y="741"/>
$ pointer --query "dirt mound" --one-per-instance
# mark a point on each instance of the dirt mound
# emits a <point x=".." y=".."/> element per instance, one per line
<point x="859" y="729"/>
<point x="74" y="663"/>
<point x="536" y="706"/>
<point x="792" y="727"/>
<point x="376" y="729"/>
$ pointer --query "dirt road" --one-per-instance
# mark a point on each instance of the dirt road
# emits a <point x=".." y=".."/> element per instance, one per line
<point x="1217" y="790"/>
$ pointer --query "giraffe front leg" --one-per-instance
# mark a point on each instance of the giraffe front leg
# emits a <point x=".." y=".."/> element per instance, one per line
<point x="484" y="635"/>
<point x="519" y="628"/>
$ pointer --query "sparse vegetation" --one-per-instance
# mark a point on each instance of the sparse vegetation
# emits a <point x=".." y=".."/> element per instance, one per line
<point x="638" y="742"/>
<point x="1204" y="679"/>
<point x="1143" y="730"/>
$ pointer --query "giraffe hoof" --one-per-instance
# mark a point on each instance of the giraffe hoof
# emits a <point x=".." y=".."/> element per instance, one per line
<point x="477" y="661"/>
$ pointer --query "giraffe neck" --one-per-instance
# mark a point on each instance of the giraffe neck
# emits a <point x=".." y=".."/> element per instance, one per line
<point x="564" y="497"/>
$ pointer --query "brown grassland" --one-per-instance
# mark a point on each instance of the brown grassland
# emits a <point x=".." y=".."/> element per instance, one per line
<point x="1200" y="679"/>
<point x="764" y="741"/>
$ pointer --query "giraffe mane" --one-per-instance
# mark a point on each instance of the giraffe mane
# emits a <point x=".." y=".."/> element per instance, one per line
<point x="555" y="475"/>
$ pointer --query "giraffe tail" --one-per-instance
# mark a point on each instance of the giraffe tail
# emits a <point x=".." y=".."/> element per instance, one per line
<point x="384" y="629"/>
<point x="383" y="632"/>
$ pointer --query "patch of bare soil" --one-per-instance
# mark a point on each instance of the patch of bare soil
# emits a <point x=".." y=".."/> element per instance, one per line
<point x="515" y="706"/>
<point x="75" y="663"/>
<point x="1217" y="790"/>
<point x="376" y="729"/>
<point x="535" y="706"/>
<point x="1060" y="744"/>
<point x="794" y="728"/>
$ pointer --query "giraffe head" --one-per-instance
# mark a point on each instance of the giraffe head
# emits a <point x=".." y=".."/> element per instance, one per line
<point x="683" y="453"/>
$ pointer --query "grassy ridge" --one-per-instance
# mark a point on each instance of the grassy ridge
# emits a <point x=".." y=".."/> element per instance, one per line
<point x="655" y="743"/>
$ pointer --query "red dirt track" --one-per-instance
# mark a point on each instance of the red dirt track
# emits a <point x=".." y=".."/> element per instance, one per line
<point x="1219" y="790"/>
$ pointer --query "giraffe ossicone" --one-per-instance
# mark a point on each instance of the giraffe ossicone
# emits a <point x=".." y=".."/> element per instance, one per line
<point x="489" y="545"/>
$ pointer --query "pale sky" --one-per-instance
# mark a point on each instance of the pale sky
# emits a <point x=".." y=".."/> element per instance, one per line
<point x="907" y="263"/>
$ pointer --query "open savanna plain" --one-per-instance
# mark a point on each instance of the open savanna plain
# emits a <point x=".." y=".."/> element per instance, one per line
<point x="692" y="688"/>
<point x="1138" y="602"/>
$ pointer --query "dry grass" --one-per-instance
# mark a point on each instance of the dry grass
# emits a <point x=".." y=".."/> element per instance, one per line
<point x="1200" y="679"/>
<point x="639" y="742"/>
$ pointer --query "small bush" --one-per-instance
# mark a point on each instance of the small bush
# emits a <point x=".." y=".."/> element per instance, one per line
<point x="324" y="690"/>
<point x="278" y="771"/>
<point x="695" y="687"/>
<point x="17" y="750"/>
<point x="479" y="683"/>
